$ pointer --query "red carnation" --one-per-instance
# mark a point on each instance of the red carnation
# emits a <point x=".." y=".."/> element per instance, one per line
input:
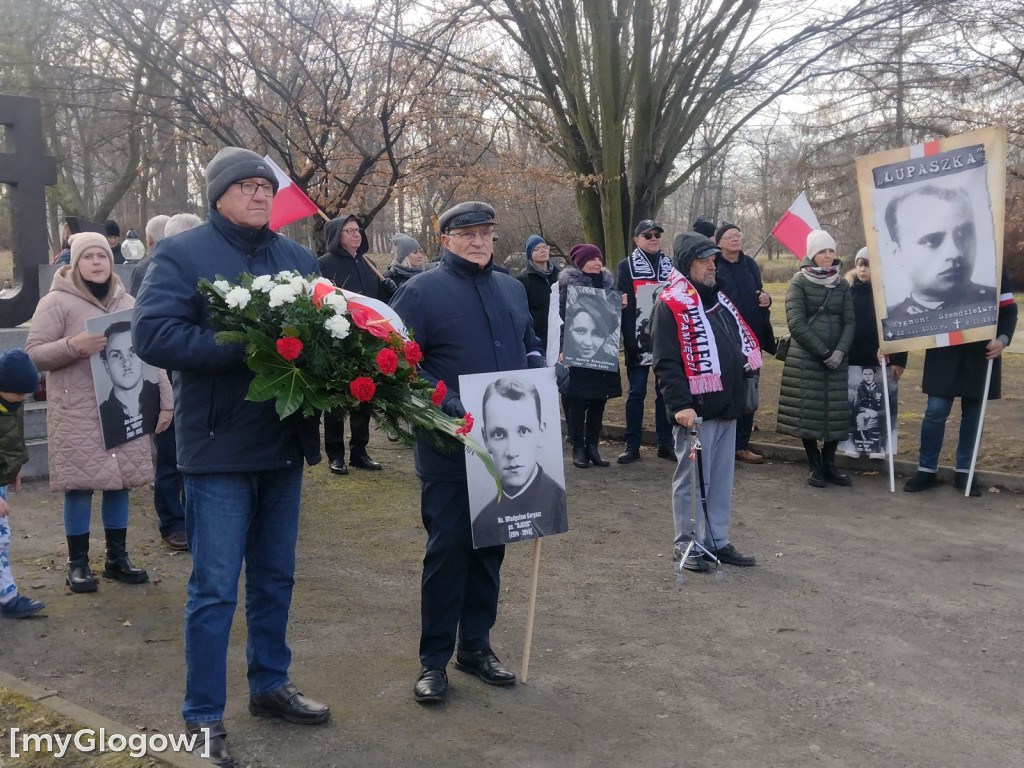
<point x="320" y="292"/>
<point x="467" y="424"/>
<point x="362" y="388"/>
<point x="289" y="347"/>
<point x="413" y="353"/>
<point x="387" y="361"/>
<point x="438" y="394"/>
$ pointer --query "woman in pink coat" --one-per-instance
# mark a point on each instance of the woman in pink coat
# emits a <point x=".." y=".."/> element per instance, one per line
<point x="79" y="464"/>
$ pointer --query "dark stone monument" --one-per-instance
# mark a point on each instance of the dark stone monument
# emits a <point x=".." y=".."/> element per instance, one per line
<point x="25" y="167"/>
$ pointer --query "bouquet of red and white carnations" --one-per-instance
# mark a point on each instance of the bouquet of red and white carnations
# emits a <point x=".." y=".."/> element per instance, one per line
<point x="316" y="347"/>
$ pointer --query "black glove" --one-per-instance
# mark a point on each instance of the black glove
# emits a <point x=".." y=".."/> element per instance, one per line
<point x="536" y="361"/>
<point x="561" y="377"/>
<point x="388" y="287"/>
<point x="453" y="407"/>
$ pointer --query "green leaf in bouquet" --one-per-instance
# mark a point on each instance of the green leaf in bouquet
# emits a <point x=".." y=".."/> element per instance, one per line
<point x="230" y="337"/>
<point x="291" y="331"/>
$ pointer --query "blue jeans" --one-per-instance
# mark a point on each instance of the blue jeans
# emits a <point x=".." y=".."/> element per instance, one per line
<point x="933" y="430"/>
<point x="78" y="510"/>
<point x="637" y="376"/>
<point x="231" y="517"/>
<point x="167" y="484"/>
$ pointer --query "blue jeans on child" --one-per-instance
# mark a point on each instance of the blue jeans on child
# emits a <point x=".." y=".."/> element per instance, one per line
<point x="231" y="517"/>
<point x="933" y="430"/>
<point x="78" y="510"/>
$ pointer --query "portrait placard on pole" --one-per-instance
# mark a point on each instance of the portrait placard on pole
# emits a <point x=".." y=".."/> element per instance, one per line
<point x="933" y="222"/>
<point x="593" y="318"/>
<point x="516" y="419"/>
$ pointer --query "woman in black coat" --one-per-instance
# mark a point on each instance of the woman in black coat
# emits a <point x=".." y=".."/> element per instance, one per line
<point x="588" y="389"/>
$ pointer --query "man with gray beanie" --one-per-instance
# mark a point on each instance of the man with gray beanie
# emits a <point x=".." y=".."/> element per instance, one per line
<point x="706" y="382"/>
<point x="242" y="465"/>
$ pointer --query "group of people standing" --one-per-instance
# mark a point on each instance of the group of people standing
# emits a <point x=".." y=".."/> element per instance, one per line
<point x="242" y="466"/>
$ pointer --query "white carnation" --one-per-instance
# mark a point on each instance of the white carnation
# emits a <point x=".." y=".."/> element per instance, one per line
<point x="337" y="301"/>
<point x="237" y="297"/>
<point x="282" y="294"/>
<point x="222" y="285"/>
<point x="299" y="285"/>
<point x="263" y="283"/>
<point x="286" y="276"/>
<point x="338" y="326"/>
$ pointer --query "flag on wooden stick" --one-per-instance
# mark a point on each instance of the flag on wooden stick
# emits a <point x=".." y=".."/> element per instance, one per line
<point x="290" y="202"/>
<point x="792" y="229"/>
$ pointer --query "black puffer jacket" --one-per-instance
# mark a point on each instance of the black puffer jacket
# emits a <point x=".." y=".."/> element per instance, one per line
<point x="538" y="296"/>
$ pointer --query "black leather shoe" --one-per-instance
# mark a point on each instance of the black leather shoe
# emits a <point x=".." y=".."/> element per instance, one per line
<point x="960" y="481"/>
<point x="363" y="461"/>
<point x="485" y="665"/>
<point x="628" y="456"/>
<point x="288" y="704"/>
<point x="922" y="481"/>
<point x="834" y="476"/>
<point x="431" y="686"/>
<point x="216" y="749"/>
<point x="816" y="478"/>
<point x="664" y="452"/>
<point x="337" y="466"/>
<point x="729" y="555"/>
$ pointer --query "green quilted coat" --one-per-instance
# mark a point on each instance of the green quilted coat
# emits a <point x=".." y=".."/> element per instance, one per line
<point x="813" y="400"/>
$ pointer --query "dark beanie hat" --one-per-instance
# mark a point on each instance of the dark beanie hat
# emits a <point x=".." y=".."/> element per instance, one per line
<point x="584" y="252"/>
<point x="704" y="227"/>
<point x="724" y="227"/>
<point x="233" y="164"/>
<point x="690" y="246"/>
<point x="17" y="373"/>
<point x="111" y="228"/>
<point x="532" y="242"/>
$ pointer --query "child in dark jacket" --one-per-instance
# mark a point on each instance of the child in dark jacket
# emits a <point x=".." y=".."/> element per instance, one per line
<point x="18" y="379"/>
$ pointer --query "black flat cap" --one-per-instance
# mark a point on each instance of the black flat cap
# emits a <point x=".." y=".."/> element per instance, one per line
<point x="468" y="214"/>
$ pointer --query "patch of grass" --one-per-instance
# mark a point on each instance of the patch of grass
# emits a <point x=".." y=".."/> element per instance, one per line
<point x="17" y="711"/>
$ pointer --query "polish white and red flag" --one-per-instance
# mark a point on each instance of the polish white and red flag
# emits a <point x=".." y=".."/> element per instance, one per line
<point x="290" y="202"/>
<point x="796" y="223"/>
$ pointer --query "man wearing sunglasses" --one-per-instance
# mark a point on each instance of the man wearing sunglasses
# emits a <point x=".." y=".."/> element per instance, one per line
<point x="646" y="265"/>
<point x="345" y="265"/>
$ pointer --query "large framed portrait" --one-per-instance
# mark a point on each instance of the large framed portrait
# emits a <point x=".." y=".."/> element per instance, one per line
<point x="593" y="320"/>
<point x="127" y="389"/>
<point x="516" y="419"/>
<point x="933" y="222"/>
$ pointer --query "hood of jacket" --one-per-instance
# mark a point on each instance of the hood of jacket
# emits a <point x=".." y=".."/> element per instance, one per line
<point x="332" y="235"/>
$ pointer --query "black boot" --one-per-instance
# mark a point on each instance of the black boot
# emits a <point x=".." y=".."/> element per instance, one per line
<point x="960" y="481"/>
<point x="575" y="416"/>
<point x="79" y="578"/>
<point x="828" y="465"/>
<point x="118" y="567"/>
<point x="922" y="481"/>
<point x="593" y="434"/>
<point x="816" y="477"/>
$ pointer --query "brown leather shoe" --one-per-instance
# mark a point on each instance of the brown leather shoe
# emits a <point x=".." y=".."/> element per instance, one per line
<point x="748" y="456"/>
<point x="177" y="541"/>
<point x="286" y="703"/>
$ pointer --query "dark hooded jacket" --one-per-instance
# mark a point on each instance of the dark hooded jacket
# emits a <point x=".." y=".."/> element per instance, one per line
<point x="864" y="350"/>
<point x="351" y="271"/>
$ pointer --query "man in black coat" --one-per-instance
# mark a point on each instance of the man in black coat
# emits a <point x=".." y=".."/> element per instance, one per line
<point x="706" y="382"/>
<point x="959" y="371"/>
<point x="467" y="319"/>
<point x="345" y="265"/>
<point x="646" y="265"/>
<point x="740" y="278"/>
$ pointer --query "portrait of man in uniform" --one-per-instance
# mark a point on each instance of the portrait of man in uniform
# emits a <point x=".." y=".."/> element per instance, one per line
<point x="515" y="432"/>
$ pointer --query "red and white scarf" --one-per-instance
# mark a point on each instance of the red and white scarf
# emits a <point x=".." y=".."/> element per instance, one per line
<point x="701" y="362"/>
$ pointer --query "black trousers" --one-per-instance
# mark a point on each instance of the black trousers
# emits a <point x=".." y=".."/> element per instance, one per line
<point x="334" y="433"/>
<point x="459" y="590"/>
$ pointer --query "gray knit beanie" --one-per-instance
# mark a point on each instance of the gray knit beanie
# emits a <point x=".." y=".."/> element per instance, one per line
<point x="403" y="246"/>
<point x="233" y="164"/>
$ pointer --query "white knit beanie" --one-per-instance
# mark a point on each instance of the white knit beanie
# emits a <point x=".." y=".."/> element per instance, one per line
<point x="818" y="240"/>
